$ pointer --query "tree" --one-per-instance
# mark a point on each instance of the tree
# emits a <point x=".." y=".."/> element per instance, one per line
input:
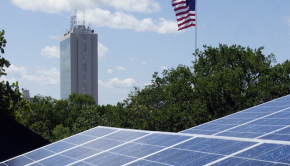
<point x="168" y="104"/>
<point x="11" y="101"/>
<point x="229" y="79"/>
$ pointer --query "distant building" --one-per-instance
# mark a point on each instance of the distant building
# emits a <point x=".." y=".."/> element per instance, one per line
<point x="26" y="95"/>
<point x="79" y="61"/>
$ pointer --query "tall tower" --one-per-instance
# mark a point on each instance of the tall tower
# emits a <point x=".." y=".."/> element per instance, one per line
<point x="79" y="61"/>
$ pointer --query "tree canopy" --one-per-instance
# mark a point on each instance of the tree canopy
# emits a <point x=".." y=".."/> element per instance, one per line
<point x="223" y="80"/>
<point x="11" y="101"/>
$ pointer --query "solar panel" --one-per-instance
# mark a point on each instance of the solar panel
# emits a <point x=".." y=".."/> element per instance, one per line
<point x="268" y="121"/>
<point x="256" y="136"/>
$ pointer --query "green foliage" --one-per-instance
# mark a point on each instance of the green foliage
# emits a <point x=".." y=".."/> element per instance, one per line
<point x="54" y="119"/>
<point x="11" y="101"/>
<point x="222" y="81"/>
<point x="168" y="104"/>
<point x="3" y="62"/>
<point x="229" y="79"/>
<point x="61" y="132"/>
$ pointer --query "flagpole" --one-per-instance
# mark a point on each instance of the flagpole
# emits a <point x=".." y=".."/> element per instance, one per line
<point x="195" y="28"/>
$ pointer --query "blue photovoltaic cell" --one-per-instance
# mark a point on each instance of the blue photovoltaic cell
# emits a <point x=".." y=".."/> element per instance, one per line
<point x="246" y="115"/>
<point x="227" y="150"/>
<point x="82" y="163"/>
<point x="204" y="160"/>
<point x="284" y="131"/>
<point x="79" y="139"/>
<point x="99" y="131"/>
<point x="107" y="158"/>
<point x="80" y="153"/>
<point x="197" y="131"/>
<point x="282" y="114"/>
<point x="39" y="154"/>
<point x="148" y="163"/>
<point x="240" y="134"/>
<point x="103" y="144"/>
<point x="217" y="146"/>
<point x="207" y="145"/>
<point x="58" y="146"/>
<point x="275" y="154"/>
<point x="36" y="164"/>
<point x="230" y="161"/>
<point x="217" y="127"/>
<point x="276" y="137"/>
<point x="174" y="156"/>
<point x="191" y="157"/>
<point x="235" y="121"/>
<point x="57" y="160"/>
<point x="258" y="150"/>
<point x="188" y="144"/>
<point x="21" y="160"/>
<point x="284" y="160"/>
<point x="274" y="103"/>
<point x="136" y="149"/>
<point x="256" y="128"/>
<point x="281" y="122"/>
<point x="264" y="109"/>
<point x="208" y="129"/>
<point x="125" y="135"/>
<point x="254" y="163"/>
<point x="162" y="139"/>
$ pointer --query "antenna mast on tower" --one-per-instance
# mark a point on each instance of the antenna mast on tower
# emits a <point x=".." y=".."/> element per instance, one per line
<point x="73" y="20"/>
<point x="83" y="18"/>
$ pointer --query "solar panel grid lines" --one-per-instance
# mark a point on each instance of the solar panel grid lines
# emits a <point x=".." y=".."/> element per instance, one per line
<point x="108" y="149"/>
<point x="281" y="99"/>
<point x="251" y="121"/>
<point x="159" y="151"/>
<point x="68" y="149"/>
<point x="233" y="154"/>
<point x="273" y="132"/>
<point x="258" y="111"/>
<point x="271" y="153"/>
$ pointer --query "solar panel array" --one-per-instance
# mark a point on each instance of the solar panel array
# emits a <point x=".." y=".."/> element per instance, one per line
<point x="256" y="136"/>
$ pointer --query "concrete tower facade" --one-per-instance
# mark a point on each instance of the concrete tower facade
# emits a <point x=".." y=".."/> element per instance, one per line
<point x="79" y="61"/>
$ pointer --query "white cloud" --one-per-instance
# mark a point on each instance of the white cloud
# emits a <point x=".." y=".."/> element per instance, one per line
<point x="42" y="76"/>
<point x="57" y="6"/>
<point x="117" y="83"/>
<point x="143" y="6"/>
<point x="99" y="17"/>
<point x="144" y="63"/>
<point x="109" y="71"/>
<point x="50" y="51"/>
<point x="163" y="67"/>
<point x="121" y="20"/>
<point x="121" y="68"/>
<point x="102" y="50"/>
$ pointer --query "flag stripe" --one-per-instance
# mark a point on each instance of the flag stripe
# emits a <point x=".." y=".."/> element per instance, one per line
<point x="185" y="14"/>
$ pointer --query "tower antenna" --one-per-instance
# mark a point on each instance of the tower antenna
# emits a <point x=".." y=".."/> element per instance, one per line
<point x="73" y="20"/>
<point x="83" y="18"/>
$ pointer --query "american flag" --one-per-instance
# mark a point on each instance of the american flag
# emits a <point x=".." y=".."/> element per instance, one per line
<point x="185" y="13"/>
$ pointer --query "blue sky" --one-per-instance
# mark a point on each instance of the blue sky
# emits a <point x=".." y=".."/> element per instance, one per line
<point x="136" y="38"/>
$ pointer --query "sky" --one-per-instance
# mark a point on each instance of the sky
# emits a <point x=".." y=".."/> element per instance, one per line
<point x="135" y="38"/>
